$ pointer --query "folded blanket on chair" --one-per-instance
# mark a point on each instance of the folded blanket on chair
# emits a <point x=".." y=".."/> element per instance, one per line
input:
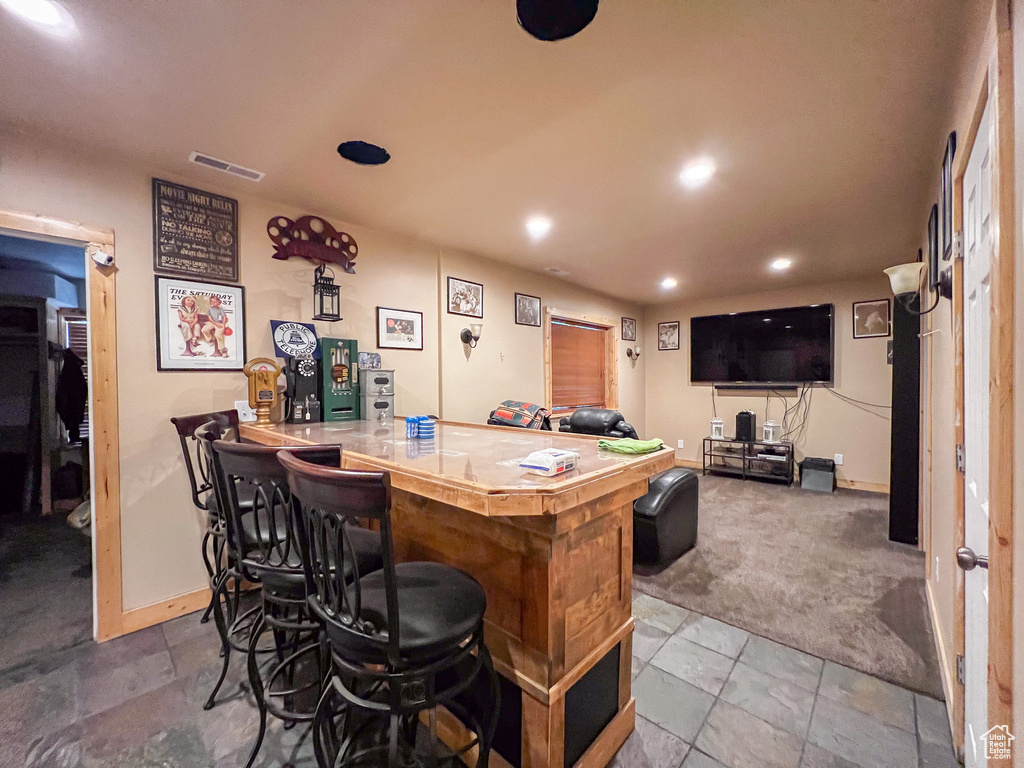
<point x="629" y="445"/>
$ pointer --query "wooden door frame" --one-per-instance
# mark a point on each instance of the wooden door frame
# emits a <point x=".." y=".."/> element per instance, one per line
<point x="611" y="385"/>
<point x="997" y="89"/>
<point x="103" y="443"/>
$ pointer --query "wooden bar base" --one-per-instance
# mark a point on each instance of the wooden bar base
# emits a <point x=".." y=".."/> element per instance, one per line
<point x="555" y="557"/>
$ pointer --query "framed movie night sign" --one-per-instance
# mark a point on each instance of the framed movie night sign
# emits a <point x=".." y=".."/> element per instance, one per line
<point x="195" y="233"/>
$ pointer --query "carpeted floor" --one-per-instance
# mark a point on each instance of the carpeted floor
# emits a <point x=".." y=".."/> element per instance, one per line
<point x="45" y="591"/>
<point x="812" y="571"/>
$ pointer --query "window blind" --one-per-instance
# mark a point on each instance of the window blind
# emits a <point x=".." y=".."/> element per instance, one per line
<point x="578" y="363"/>
<point x="77" y="340"/>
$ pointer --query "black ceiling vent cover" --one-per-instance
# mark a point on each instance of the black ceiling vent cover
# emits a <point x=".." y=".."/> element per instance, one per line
<point x="555" y="19"/>
<point x="363" y="152"/>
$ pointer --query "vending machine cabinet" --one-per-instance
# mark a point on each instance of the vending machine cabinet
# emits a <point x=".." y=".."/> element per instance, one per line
<point x="340" y="400"/>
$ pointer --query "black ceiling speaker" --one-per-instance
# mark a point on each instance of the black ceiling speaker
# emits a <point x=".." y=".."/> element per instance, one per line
<point x="555" y="19"/>
<point x="363" y="152"/>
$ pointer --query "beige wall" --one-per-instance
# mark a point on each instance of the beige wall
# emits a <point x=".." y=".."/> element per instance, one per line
<point x="684" y="411"/>
<point x="509" y="360"/>
<point x="160" y="529"/>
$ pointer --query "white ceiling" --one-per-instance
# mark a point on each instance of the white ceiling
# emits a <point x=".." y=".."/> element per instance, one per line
<point x="825" y="118"/>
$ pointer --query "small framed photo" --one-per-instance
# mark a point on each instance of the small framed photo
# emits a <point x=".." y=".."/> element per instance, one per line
<point x="199" y="326"/>
<point x="871" y="319"/>
<point x="527" y="309"/>
<point x="628" y="329"/>
<point x="399" y="329"/>
<point x="465" y="298"/>
<point x="668" y="335"/>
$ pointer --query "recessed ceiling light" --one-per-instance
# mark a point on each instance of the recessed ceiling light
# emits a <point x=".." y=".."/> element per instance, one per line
<point x="538" y="226"/>
<point x="668" y="283"/>
<point x="363" y="152"/>
<point x="781" y="264"/>
<point x="47" y="15"/>
<point x="697" y="172"/>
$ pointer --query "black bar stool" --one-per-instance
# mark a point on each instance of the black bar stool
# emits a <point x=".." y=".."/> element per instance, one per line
<point x="233" y="624"/>
<point x="196" y="465"/>
<point x="402" y="640"/>
<point x="261" y="522"/>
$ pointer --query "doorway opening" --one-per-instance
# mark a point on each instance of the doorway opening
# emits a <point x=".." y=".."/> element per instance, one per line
<point x="45" y="513"/>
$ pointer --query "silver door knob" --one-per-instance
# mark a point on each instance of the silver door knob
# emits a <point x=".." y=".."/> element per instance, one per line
<point x="967" y="560"/>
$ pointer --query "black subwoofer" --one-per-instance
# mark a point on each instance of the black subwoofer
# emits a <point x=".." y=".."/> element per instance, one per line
<point x="746" y="425"/>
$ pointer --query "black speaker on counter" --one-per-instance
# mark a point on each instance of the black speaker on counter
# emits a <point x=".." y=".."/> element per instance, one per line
<point x="746" y="425"/>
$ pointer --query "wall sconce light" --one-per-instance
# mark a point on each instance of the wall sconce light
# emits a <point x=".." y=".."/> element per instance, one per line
<point x="905" y="280"/>
<point x="471" y="335"/>
<point x="633" y="353"/>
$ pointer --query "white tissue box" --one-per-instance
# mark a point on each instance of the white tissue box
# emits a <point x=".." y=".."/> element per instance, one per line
<point x="550" y="462"/>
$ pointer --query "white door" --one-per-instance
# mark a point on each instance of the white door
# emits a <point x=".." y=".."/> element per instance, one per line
<point x="977" y="209"/>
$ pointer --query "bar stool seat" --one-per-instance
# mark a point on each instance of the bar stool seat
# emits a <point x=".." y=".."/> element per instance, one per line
<point x="438" y="607"/>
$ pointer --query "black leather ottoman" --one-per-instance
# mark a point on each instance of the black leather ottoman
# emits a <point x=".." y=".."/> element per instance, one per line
<point x="665" y="518"/>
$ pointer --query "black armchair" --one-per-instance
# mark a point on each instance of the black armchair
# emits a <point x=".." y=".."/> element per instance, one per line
<point x="597" y="421"/>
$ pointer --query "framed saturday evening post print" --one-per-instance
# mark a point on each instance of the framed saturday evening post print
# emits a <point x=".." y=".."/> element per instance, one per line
<point x="195" y="233"/>
<point x="465" y="298"/>
<point x="199" y="326"/>
<point x="399" y="329"/>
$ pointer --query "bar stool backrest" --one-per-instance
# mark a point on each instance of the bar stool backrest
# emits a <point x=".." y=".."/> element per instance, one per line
<point x="328" y="499"/>
<point x="196" y="464"/>
<point x="251" y="482"/>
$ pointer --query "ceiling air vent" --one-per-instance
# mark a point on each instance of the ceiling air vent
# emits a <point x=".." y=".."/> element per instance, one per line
<point x="223" y="165"/>
<point x="557" y="271"/>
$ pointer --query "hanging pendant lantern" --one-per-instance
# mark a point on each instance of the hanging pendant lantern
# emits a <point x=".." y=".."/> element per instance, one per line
<point x="326" y="301"/>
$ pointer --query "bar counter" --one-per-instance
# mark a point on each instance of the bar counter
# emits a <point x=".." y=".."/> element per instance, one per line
<point x="554" y="555"/>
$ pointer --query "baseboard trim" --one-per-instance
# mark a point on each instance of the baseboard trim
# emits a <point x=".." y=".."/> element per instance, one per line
<point x="853" y="485"/>
<point x="944" y="659"/>
<point x="157" y="613"/>
<point x="860" y="485"/>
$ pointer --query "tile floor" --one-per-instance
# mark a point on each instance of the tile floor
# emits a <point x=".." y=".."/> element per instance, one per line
<point x="710" y="695"/>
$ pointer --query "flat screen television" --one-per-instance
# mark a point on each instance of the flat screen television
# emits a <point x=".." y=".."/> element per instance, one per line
<point x="775" y="346"/>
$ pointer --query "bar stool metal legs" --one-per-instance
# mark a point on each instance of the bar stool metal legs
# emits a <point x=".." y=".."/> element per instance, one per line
<point x="289" y="683"/>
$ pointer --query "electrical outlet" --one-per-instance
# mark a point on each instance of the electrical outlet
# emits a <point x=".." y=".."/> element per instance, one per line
<point x="679" y="445"/>
<point x="245" y="412"/>
<point x="839" y="459"/>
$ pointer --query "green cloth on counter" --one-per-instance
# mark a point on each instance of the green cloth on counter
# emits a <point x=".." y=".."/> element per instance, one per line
<point x="629" y="445"/>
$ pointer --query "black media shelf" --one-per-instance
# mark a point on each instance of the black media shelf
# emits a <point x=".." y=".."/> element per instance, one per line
<point x="745" y="459"/>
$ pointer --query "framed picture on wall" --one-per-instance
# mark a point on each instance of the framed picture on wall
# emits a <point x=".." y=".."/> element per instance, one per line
<point x="399" y="329"/>
<point x="933" y="246"/>
<point x="947" y="198"/>
<point x="628" y="329"/>
<point x="199" y="326"/>
<point x="871" y="319"/>
<point x="527" y="310"/>
<point x="668" y="335"/>
<point x="465" y="298"/>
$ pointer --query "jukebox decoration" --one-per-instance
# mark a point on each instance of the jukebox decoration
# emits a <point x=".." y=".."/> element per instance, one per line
<point x="314" y="239"/>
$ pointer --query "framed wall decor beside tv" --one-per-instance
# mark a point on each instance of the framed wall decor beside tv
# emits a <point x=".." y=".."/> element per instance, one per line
<point x="668" y="335"/>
